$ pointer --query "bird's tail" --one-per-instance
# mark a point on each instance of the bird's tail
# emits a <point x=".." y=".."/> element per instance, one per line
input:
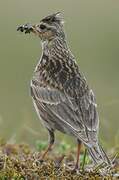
<point x="98" y="154"/>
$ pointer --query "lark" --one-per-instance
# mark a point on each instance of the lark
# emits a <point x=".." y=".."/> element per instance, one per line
<point x="61" y="96"/>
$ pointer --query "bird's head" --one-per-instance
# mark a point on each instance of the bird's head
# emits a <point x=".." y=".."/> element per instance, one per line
<point x="49" y="27"/>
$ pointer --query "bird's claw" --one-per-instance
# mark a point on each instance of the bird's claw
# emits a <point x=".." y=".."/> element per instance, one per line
<point x="27" y="28"/>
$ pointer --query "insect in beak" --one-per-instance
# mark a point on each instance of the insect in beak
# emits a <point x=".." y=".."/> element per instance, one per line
<point x="28" y="28"/>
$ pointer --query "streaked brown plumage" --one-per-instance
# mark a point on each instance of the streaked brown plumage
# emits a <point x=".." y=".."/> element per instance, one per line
<point x="60" y="93"/>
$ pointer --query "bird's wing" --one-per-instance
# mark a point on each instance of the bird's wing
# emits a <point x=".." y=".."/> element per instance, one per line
<point x="77" y="89"/>
<point x="78" y="115"/>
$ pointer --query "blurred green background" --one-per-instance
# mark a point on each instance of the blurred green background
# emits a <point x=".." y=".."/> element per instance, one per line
<point x="92" y="28"/>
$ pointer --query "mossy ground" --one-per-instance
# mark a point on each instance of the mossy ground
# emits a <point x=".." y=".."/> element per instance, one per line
<point x="20" y="162"/>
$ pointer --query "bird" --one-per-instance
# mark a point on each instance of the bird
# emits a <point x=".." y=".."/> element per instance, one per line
<point x="61" y="95"/>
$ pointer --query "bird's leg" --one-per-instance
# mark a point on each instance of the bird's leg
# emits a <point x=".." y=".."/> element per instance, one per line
<point x="78" y="155"/>
<point x="51" y="142"/>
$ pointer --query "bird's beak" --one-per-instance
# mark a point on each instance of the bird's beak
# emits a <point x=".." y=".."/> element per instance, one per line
<point x="36" y="30"/>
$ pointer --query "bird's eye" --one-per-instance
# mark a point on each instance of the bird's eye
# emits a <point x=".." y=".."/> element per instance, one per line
<point x="42" y="27"/>
<point x="48" y="19"/>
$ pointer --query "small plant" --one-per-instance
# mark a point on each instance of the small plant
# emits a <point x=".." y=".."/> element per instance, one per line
<point x="63" y="147"/>
<point x="85" y="159"/>
<point x="41" y="145"/>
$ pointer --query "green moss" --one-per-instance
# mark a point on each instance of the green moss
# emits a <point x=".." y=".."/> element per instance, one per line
<point x="41" y="145"/>
<point x="20" y="162"/>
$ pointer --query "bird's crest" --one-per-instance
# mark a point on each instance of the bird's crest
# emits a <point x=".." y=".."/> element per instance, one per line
<point x="54" y="18"/>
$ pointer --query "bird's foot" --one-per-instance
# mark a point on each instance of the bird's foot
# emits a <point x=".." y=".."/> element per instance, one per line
<point x="58" y="161"/>
<point x="41" y="161"/>
<point x="73" y="169"/>
<point x="38" y="162"/>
